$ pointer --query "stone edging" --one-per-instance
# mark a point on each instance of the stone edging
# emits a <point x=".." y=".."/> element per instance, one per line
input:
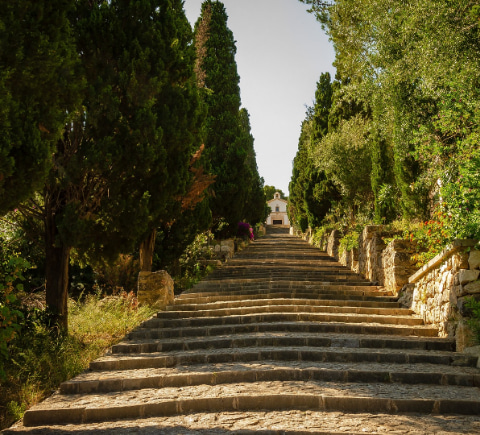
<point x="436" y="261"/>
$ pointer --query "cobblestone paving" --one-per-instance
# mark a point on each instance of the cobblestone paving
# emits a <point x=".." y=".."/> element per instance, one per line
<point x="282" y="340"/>
<point x="272" y="423"/>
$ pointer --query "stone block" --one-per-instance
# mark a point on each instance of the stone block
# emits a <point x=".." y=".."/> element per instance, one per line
<point x="465" y="276"/>
<point x="155" y="289"/>
<point x="463" y="336"/>
<point x="474" y="260"/>
<point x="472" y="287"/>
<point x="230" y="243"/>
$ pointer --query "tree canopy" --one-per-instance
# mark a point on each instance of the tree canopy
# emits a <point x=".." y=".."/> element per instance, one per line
<point x="39" y="92"/>
<point x="409" y="73"/>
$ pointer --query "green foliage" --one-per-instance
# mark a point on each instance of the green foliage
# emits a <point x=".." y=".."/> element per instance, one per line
<point x="349" y="241"/>
<point x="312" y="192"/>
<point x="40" y="360"/>
<point x="38" y="92"/>
<point x="118" y="277"/>
<point x="193" y="261"/>
<point x="344" y="156"/>
<point x="10" y="315"/>
<point x="474" y="321"/>
<point x="430" y="237"/>
<point x="318" y="236"/>
<point x="270" y="192"/>
<point x="398" y="65"/>
<point x="228" y="140"/>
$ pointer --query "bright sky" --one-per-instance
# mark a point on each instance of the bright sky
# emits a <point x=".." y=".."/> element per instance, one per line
<point x="281" y="52"/>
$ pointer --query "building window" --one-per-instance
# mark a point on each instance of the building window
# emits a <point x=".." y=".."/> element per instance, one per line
<point x="277" y="208"/>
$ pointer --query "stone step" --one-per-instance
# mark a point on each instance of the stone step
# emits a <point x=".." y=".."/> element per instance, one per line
<point x="291" y="422"/>
<point x="146" y="343"/>
<point x="267" y="317"/>
<point x="400" y="337"/>
<point x="274" y="395"/>
<point x="304" y="278"/>
<point x="212" y="297"/>
<point x="240" y="301"/>
<point x="326" y="275"/>
<point x="156" y="330"/>
<point x="154" y="360"/>
<point x="318" y="291"/>
<point x="280" y="329"/>
<point x="104" y="382"/>
<point x="237" y="309"/>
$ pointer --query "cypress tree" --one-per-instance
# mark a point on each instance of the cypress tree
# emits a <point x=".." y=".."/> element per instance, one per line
<point x="123" y="165"/>
<point x="38" y="91"/>
<point x="227" y="138"/>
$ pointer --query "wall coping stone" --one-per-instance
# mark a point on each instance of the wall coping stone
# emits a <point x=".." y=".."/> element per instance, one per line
<point x="451" y="249"/>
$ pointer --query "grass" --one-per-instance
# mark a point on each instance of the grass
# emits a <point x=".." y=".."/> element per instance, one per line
<point x="39" y="360"/>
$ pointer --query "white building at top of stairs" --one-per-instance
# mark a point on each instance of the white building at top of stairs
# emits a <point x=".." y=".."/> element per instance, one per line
<point x="278" y="214"/>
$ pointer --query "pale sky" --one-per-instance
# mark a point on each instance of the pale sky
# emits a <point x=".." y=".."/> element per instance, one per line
<point x="281" y="52"/>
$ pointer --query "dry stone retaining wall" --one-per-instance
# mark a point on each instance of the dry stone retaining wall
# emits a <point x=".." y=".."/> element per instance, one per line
<point x="388" y="265"/>
<point x="437" y="292"/>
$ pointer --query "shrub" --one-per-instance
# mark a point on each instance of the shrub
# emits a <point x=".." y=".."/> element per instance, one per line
<point x="430" y="238"/>
<point x="245" y="231"/>
<point x="474" y="321"/>
<point x="349" y="241"/>
<point x="10" y="314"/>
<point x="40" y="359"/>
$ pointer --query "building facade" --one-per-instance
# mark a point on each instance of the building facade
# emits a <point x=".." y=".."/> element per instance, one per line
<point x="278" y="214"/>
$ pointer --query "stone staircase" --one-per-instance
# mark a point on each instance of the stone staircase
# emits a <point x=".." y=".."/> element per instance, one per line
<point x="282" y="339"/>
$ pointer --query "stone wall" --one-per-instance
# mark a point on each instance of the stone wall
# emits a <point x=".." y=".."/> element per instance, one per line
<point x="350" y="259"/>
<point x="437" y="291"/>
<point x="389" y="266"/>
<point x="333" y="243"/>
<point x="397" y="264"/>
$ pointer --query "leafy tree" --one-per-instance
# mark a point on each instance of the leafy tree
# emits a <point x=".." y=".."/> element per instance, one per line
<point x="38" y="92"/>
<point x="344" y="156"/>
<point x="403" y="62"/>
<point x="270" y="192"/>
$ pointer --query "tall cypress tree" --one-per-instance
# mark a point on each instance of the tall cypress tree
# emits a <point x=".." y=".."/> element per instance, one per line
<point x="123" y="166"/>
<point x="254" y="207"/>
<point x="311" y="192"/>
<point x="228" y="147"/>
<point x="38" y="91"/>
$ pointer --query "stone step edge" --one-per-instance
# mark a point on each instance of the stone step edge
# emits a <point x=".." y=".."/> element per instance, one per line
<point x="206" y="311"/>
<point x="156" y="326"/>
<point x="158" y="360"/>
<point x="202" y="342"/>
<point x="328" y="339"/>
<point x="184" y="305"/>
<point x="286" y="374"/>
<point x="82" y="415"/>
<point x="269" y="316"/>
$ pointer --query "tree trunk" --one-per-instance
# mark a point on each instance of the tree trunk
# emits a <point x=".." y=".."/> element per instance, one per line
<point x="147" y="247"/>
<point x="57" y="257"/>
